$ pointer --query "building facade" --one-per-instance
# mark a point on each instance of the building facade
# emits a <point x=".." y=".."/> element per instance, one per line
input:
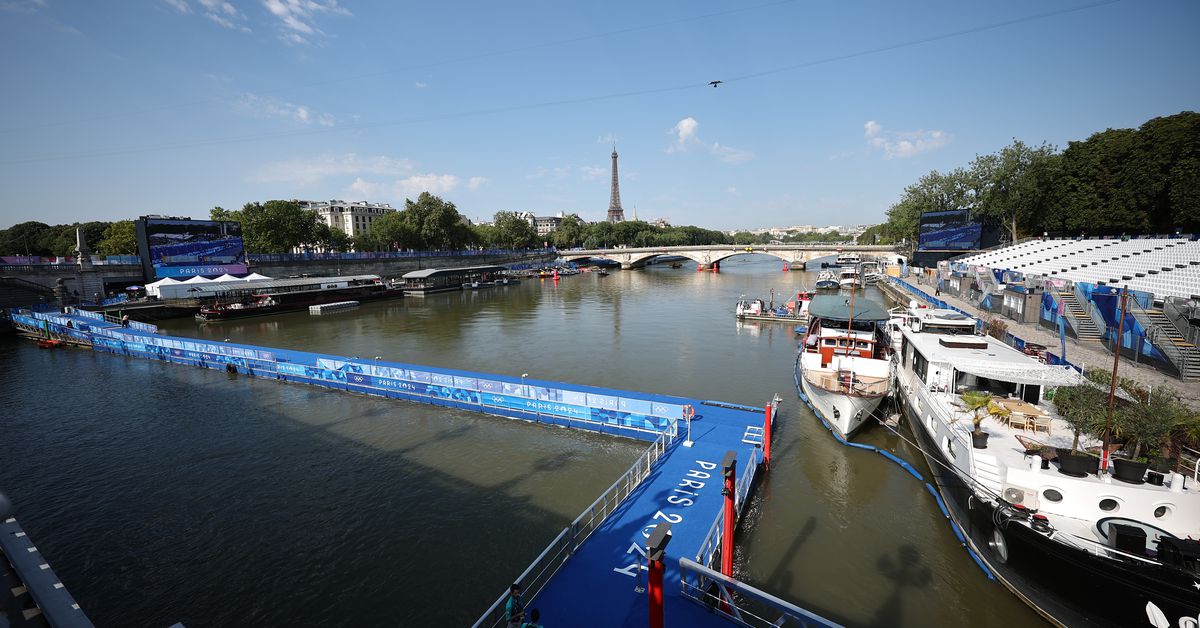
<point x="351" y="218"/>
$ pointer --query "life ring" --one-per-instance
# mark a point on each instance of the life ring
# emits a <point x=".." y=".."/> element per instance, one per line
<point x="689" y="412"/>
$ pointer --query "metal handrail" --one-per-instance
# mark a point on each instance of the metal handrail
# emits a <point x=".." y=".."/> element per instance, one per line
<point x="1183" y="462"/>
<point x="749" y="607"/>
<point x="712" y="539"/>
<point x="538" y="573"/>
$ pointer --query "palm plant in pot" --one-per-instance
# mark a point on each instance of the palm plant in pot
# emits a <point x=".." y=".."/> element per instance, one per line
<point x="1147" y="426"/>
<point x="981" y="405"/>
<point x="1085" y="409"/>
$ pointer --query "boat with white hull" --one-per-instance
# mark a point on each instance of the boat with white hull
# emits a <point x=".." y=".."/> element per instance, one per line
<point x="1083" y="549"/>
<point x="843" y="361"/>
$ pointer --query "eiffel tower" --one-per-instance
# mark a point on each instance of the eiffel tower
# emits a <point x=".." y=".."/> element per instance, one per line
<point x="615" y="213"/>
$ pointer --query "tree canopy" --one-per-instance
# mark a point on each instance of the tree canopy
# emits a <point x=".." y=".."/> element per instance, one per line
<point x="1144" y="180"/>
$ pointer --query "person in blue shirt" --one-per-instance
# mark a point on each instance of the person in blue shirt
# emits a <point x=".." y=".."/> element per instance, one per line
<point x="514" y="608"/>
<point x="534" y="615"/>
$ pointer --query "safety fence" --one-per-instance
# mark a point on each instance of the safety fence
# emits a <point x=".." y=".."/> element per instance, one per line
<point x="542" y="569"/>
<point x="741" y="603"/>
<point x="711" y="545"/>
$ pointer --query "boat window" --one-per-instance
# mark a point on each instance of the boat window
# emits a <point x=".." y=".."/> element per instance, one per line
<point x="862" y="344"/>
<point x="829" y="342"/>
<point x="1163" y="511"/>
<point x="1052" y="495"/>
<point x="920" y="365"/>
<point x="1109" y="504"/>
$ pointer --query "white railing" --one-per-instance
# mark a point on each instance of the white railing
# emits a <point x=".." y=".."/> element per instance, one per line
<point x="538" y="573"/>
<point x="741" y="603"/>
<point x="712" y="539"/>
<point x="1189" y="461"/>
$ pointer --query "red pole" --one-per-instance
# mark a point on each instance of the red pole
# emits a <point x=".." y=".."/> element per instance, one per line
<point x="656" y="593"/>
<point x="767" y="438"/>
<point x="656" y="548"/>
<point x="730" y="471"/>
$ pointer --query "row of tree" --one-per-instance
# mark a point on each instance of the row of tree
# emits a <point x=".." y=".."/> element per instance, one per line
<point x="427" y="223"/>
<point x="40" y="239"/>
<point x="1144" y="180"/>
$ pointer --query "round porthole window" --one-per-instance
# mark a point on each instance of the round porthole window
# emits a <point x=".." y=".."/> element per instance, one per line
<point x="1162" y="512"/>
<point x="1053" y="495"/>
<point x="1109" y="504"/>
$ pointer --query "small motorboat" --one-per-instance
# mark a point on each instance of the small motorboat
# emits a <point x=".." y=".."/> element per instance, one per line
<point x="51" y="344"/>
<point x="676" y="265"/>
<point x="827" y="281"/>
<point x="602" y="272"/>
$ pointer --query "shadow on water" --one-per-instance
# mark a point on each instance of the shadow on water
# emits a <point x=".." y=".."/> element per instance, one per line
<point x="782" y="575"/>
<point x="249" y="502"/>
<point x="905" y="571"/>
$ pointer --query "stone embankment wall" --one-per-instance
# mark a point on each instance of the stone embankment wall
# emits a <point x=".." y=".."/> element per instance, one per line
<point x="388" y="268"/>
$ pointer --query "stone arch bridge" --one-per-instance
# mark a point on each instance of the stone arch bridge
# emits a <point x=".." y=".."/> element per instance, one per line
<point x="708" y="255"/>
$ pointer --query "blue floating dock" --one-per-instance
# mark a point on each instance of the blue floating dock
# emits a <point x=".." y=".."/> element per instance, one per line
<point x="596" y="574"/>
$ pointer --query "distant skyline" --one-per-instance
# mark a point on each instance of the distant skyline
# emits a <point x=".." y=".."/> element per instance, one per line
<point x="824" y="114"/>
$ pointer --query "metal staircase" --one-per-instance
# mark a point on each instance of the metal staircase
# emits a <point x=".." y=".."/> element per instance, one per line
<point x="1164" y="335"/>
<point x="1077" y="316"/>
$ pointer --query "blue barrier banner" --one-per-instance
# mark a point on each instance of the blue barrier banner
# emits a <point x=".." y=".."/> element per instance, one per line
<point x="419" y="376"/>
<point x="635" y="406"/>
<point x="666" y="410"/>
<point x="441" y="379"/>
<point x="564" y="410"/>
<point x="490" y="386"/>
<point x="604" y="402"/>
<point x="394" y="384"/>
<point x="291" y="369"/>
<point x="466" y="383"/>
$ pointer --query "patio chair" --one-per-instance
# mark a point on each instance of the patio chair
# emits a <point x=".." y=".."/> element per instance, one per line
<point x="1042" y="423"/>
<point x="1018" y="421"/>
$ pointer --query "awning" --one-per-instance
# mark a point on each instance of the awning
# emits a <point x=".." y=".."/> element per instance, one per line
<point x="1037" y="374"/>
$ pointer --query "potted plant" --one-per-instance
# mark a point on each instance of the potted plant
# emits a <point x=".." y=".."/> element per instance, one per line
<point x="1084" y="408"/>
<point x="1147" y="425"/>
<point x="981" y="405"/>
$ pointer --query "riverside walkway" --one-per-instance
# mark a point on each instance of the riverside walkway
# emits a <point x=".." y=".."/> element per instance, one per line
<point x="594" y="572"/>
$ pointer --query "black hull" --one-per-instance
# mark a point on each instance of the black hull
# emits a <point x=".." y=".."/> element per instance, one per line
<point x="1067" y="586"/>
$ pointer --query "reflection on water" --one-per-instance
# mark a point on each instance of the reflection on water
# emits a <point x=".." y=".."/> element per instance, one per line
<point x="165" y="493"/>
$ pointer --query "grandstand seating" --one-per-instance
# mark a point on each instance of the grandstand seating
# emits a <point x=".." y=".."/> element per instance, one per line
<point x="1165" y="267"/>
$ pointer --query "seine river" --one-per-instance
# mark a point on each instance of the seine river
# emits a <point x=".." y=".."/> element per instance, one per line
<point x="163" y="493"/>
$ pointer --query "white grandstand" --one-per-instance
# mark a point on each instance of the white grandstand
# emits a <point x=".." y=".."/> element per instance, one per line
<point x="1166" y="267"/>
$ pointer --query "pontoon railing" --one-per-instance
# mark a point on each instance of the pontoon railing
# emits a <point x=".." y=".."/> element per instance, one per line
<point x="538" y="573"/>
<point x="741" y="603"/>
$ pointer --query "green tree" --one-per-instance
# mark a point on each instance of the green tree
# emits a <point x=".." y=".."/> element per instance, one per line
<point x="278" y="226"/>
<point x="24" y="239"/>
<point x="392" y="232"/>
<point x="120" y="238"/>
<point x="513" y="232"/>
<point x="569" y="233"/>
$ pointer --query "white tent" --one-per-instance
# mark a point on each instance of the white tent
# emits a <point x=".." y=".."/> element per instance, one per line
<point x="255" y="277"/>
<point x="152" y="288"/>
<point x="228" y="277"/>
<point x="197" y="279"/>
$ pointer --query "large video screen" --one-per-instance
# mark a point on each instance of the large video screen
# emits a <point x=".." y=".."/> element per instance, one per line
<point x="948" y="231"/>
<point x="186" y="248"/>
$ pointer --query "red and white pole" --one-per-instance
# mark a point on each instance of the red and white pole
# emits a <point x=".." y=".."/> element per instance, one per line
<point x="656" y="547"/>
<point x="729" y="469"/>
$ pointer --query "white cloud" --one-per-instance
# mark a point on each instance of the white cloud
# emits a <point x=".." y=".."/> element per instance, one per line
<point x="406" y="187"/>
<point x="474" y="183"/>
<point x="903" y="144"/>
<point x="607" y="138"/>
<point x="22" y="6"/>
<point x="297" y="18"/>
<point x="687" y="139"/>
<point x="309" y="170"/>
<point x="268" y="107"/>
<point x="591" y="173"/>
<point x="420" y="85"/>
<point x="179" y="5"/>
<point x="218" y="11"/>
<point x="731" y="190"/>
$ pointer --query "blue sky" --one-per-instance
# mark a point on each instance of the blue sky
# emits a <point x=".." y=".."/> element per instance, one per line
<point x="116" y="109"/>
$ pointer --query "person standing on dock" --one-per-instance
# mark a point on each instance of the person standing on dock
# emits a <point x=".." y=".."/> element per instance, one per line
<point x="534" y="616"/>
<point x="514" y="608"/>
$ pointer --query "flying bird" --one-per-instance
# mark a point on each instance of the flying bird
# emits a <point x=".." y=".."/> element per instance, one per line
<point x="715" y="83"/>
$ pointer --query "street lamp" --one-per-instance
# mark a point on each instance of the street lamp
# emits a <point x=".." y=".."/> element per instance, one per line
<point x="524" y="388"/>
